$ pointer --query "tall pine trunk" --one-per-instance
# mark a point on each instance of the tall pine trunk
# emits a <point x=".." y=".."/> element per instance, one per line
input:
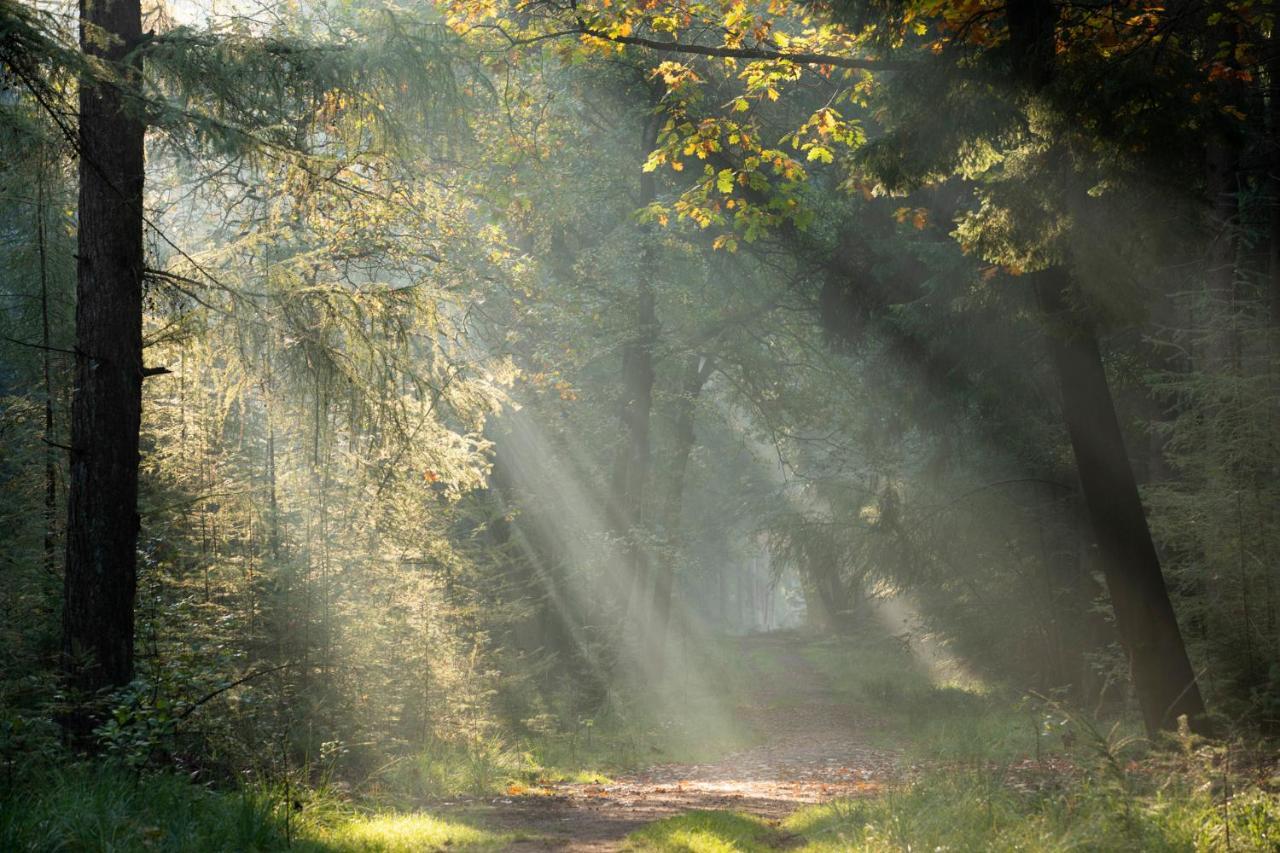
<point x="102" y="514"/>
<point x="1161" y="670"/>
<point x="1273" y="170"/>
<point x="1162" y="675"/>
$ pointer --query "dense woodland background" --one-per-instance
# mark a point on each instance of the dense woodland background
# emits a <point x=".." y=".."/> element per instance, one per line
<point x="475" y="367"/>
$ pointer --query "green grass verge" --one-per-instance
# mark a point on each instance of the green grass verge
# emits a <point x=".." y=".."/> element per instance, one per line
<point x="706" y="832"/>
<point x="94" y="808"/>
<point x="965" y="812"/>
<point x="962" y="813"/>
<point x="984" y="792"/>
<point x="401" y="832"/>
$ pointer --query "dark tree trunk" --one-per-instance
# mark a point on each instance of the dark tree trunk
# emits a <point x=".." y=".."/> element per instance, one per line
<point x="697" y="373"/>
<point x="821" y="606"/>
<point x="1162" y="675"/>
<point x="102" y="514"/>
<point x="1273" y="170"/>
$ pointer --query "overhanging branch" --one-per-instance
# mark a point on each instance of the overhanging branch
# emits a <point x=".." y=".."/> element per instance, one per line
<point x="752" y="53"/>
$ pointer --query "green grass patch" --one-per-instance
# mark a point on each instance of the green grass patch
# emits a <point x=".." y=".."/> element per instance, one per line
<point x="978" y="812"/>
<point x="401" y="832"/>
<point x="97" y="808"/>
<point x="1104" y="789"/>
<point x="982" y="812"/>
<point x="706" y="832"/>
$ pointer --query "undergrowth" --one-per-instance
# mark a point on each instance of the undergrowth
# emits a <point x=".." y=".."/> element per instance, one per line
<point x="985" y="770"/>
<point x="101" y="808"/>
<point x="634" y="731"/>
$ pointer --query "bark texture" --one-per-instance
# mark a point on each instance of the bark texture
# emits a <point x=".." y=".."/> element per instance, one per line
<point x="1162" y="676"/>
<point x="102" y="515"/>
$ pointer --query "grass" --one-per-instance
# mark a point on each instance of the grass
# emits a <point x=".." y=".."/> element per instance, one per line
<point x="706" y="832"/>
<point x="95" y="808"/>
<point x="399" y="832"/>
<point x="98" y="807"/>
<point x="929" y="721"/>
<point x="964" y="812"/>
<point x="985" y="791"/>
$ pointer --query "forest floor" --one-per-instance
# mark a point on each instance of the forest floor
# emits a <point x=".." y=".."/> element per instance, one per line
<point x="815" y="745"/>
<point x="813" y="748"/>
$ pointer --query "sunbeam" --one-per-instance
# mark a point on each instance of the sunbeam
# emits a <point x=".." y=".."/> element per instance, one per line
<point x="641" y="426"/>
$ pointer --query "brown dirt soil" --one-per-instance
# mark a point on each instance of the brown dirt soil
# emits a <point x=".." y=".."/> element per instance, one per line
<point x="813" y="750"/>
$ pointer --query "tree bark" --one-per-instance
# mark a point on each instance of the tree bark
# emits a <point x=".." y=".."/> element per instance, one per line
<point x="102" y="514"/>
<point x="1162" y="675"/>
<point x="1273" y="170"/>
<point x="697" y="373"/>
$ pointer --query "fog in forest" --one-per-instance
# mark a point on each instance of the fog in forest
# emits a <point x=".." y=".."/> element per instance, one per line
<point x="658" y="426"/>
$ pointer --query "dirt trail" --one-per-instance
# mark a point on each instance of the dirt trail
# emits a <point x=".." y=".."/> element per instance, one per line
<point x="813" y="751"/>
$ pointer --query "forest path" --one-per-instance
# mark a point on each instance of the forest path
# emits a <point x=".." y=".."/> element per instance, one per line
<point x="813" y="750"/>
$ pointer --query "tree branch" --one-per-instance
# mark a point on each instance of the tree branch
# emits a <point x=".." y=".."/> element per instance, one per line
<point x="755" y="53"/>
<point x="257" y="673"/>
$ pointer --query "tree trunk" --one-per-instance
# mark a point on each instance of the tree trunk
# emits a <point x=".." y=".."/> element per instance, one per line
<point x="1161" y="671"/>
<point x="102" y="513"/>
<point x="697" y="373"/>
<point x="1162" y="674"/>
<point x="1273" y="170"/>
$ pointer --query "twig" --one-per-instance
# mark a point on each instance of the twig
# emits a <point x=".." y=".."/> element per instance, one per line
<point x="224" y="688"/>
<point x="45" y="347"/>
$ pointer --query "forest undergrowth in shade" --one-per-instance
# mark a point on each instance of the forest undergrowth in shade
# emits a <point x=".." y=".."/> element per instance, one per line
<point x="519" y="424"/>
<point x="973" y="768"/>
